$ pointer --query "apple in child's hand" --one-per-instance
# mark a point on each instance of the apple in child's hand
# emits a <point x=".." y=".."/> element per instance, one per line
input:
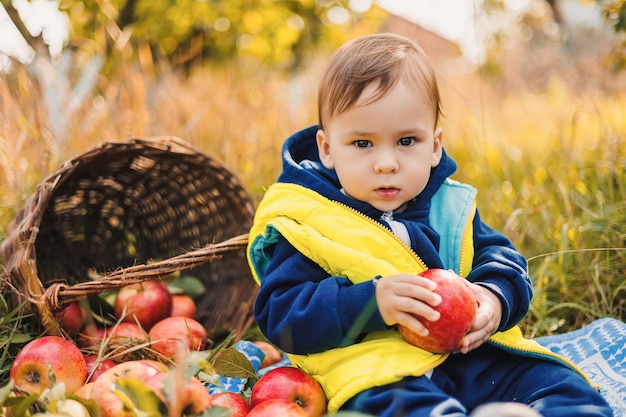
<point x="175" y="336"/>
<point x="458" y="310"/>
<point x="272" y="354"/>
<point x="233" y="402"/>
<point x="183" y="305"/>
<point x="145" y="302"/>
<point x="291" y="384"/>
<point x="48" y="354"/>
<point x="277" y="407"/>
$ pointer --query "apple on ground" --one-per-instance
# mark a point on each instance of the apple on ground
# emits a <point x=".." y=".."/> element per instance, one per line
<point x="102" y="391"/>
<point x="458" y="310"/>
<point x="189" y="398"/>
<point x="47" y="354"/>
<point x="145" y="302"/>
<point x="84" y="391"/>
<point x="233" y="402"/>
<point x="277" y="407"/>
<point x="96" y="366"/>
<point x="71" y="319"/>
<point x="272" y="354"/>
<point x="183" y="305"/>
<point x="91" y="335"/>
<point x="122" y="337"/>
<point x="126" y="332"/>
<point x="174" y="336"/>
<point x="291" y="384"/>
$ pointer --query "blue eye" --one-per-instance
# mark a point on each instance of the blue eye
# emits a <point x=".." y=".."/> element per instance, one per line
<point x="362" y="143"/>
<point x="408" y="141"/>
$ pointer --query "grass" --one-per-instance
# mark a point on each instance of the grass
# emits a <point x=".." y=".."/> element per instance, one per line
<point x="549" y="163"/>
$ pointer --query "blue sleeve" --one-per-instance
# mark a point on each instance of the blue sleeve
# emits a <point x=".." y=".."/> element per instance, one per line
<point x="499" y="267"/>
<point x="302" y="309"/>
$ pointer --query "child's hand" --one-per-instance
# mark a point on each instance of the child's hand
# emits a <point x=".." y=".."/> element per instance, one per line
<point x="400" y="296"/>
<point x="487" y="319"/>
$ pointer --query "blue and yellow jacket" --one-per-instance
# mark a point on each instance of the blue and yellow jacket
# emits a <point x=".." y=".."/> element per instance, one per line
<point x="314" y="252"/>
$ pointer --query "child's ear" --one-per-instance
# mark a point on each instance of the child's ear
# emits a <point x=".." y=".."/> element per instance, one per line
<point x="323" y="147"/>
<point x="437" y="147"/>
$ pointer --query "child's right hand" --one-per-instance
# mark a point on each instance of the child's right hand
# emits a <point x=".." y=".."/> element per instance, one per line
<point x="401" y="296"/>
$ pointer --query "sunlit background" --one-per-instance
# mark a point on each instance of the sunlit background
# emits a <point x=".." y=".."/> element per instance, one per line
<point x="533" y="91"/>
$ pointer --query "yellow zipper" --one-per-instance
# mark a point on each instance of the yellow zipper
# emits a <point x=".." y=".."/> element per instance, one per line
<point x="382" y="228"/>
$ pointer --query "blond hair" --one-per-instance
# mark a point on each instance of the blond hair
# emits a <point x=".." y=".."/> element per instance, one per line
<point x="382" y="58"/>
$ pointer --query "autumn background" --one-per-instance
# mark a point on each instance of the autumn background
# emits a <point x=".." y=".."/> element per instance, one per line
<point x="539" y="125"/>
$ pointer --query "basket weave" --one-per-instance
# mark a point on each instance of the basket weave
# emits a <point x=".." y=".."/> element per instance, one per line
<point x="133" y="211"/>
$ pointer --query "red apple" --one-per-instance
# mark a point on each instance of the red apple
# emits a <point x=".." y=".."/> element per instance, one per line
<point x="277" y="408"/>
<point x="272" y="354"/>
<point x="183" y="305"/>
<point x="175" y="336"/>
<point x="124" y="336"/>
<point x="91" y="335"/>
<point x="71" y="319"/>
<point x="46" y="354"/>
<point x="233" y="402"/>
<point x="292" y="384"/>
<point x="103" y="393"/>
<point x="96" y="366"/>
<point x="458" y="310"/>
<point x="84" y="391"/>
<point x="189" y="398"/>
<point x="126" y="332"/>
<point x="144" y="302"/>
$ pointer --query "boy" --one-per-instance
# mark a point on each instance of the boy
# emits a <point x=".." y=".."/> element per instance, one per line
<point x="363" y="205"/>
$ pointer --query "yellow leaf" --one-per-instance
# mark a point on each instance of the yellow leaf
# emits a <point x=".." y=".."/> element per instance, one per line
<point x="139" y="398"/>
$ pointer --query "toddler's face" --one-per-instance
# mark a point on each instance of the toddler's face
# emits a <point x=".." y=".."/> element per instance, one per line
<point x="383" y="151"/>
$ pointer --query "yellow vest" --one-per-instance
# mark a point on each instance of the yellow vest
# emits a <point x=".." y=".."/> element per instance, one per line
<point x="348" y="244"/>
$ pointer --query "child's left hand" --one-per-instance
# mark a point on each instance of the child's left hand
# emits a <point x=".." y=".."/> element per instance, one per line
<point x="487" y="319"/>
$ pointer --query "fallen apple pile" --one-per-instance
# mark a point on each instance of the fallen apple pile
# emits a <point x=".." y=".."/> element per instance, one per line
<point x="150" y="357"/>
<point x="458" y="311"/>
<point x="152" y="360"/>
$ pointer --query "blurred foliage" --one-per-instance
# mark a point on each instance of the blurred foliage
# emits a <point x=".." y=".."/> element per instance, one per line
<point x="614" y="13"/>
<point x="188" y="32"/>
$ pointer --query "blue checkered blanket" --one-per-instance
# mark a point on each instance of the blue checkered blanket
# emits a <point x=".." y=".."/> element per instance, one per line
<point x="599" y="350"/>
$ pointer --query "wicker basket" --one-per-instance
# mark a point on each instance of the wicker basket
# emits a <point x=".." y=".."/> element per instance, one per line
<point x="133" y="211"/>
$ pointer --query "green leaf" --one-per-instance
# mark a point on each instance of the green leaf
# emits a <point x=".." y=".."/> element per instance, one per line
<point x="232" y="363"/>
<point x="19" y="338"/>
<point x="5" y="391"/>
<point x="198" y="361"/>
<point x="187" y="284"/>
<point x="20" y="405"/>
<point x="139" y="398"/>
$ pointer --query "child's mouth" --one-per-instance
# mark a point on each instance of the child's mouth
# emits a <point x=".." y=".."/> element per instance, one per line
<point x="388" y="193"/>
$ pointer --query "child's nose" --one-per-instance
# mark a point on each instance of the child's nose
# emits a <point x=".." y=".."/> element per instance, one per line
<point x="386" y="162"/>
